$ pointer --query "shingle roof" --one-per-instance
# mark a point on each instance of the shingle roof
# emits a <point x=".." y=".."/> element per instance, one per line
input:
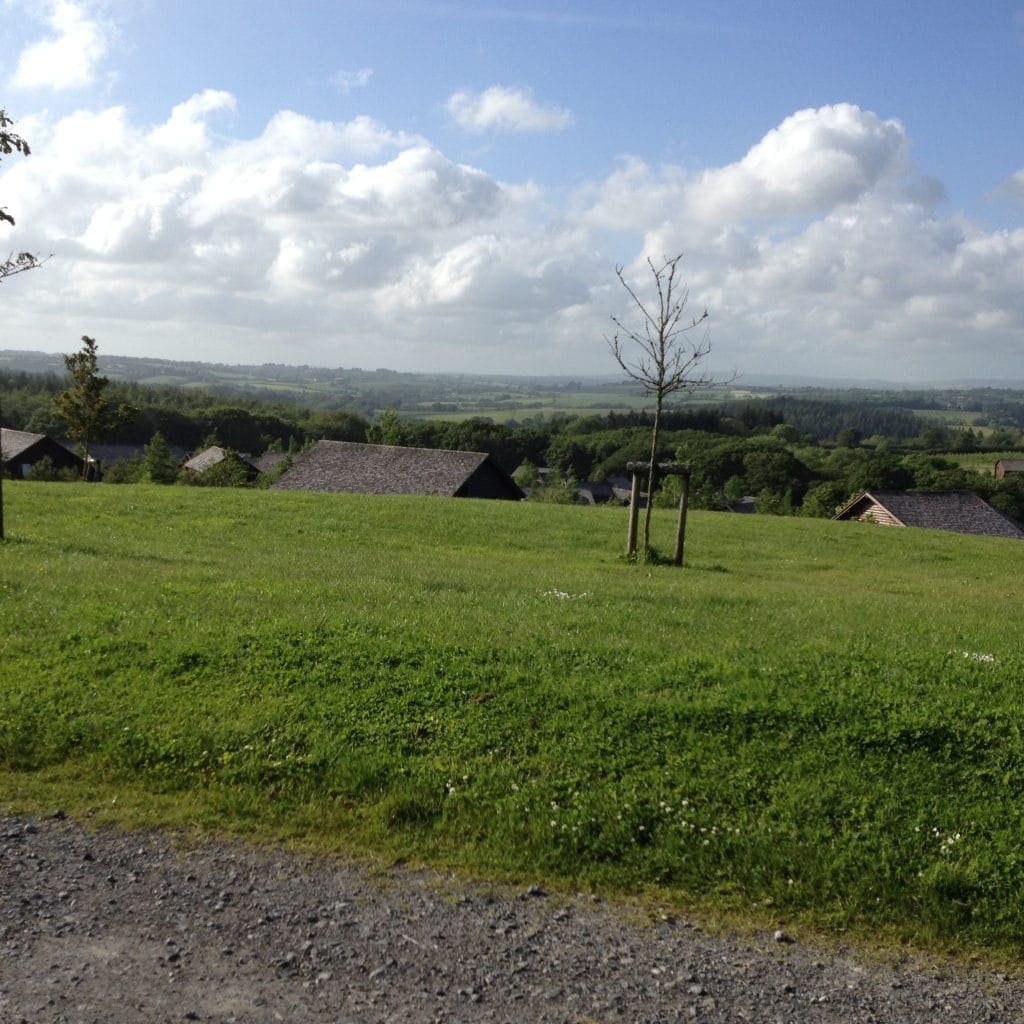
<point x="269" y="461"/>
<point x="956" y="511"/>
<point x="14" y="442"/>
<point x="211" y="457"/>
<point x="349" y="467"/>
<point x="205" y="459"/>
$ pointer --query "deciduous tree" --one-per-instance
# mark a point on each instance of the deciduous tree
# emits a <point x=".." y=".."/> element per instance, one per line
<point x="388" y="431"/>
<point x="660" y="354"/>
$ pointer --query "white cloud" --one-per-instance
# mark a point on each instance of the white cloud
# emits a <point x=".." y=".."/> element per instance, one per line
<point x="1011" y="187"/>
<point x="350" y="243"/>
<point x="68" y="57"/>
<point x="349" y="81"/>
<point x="823" y="250"/>
<point x="502" y="109"/>
<point x="185" y="132"/>
<point x="814" y="160"/>
<point x="632" y="196"/>
<point x="308" y="231"/>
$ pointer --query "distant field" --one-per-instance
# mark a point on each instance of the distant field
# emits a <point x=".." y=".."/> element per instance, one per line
<point x="547" y="402"/>
<point x="948" y="417"/>
<point x="984" y="462"/>
<point x="814" y="722"/>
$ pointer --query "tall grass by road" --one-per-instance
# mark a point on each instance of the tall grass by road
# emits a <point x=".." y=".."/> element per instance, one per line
<point x="813" y="721"/>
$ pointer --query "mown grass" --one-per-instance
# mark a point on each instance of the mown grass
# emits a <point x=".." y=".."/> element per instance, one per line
<point x="813" y="721"/>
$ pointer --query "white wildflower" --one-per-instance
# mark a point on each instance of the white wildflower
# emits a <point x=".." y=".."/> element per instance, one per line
<point x="978" y="656"/>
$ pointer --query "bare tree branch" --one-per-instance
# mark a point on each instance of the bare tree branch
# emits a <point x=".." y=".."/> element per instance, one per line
<point x="660" y="356"/>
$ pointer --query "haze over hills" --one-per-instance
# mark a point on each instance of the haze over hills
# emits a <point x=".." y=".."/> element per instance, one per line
<point x="193" y="373"/>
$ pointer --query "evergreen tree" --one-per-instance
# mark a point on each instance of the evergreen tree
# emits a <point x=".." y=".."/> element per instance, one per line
<point x="159" y="466"/>
<point x="85" y="407"/>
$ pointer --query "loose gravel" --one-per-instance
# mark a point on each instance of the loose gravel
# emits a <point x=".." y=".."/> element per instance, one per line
<point x="101" y="927"/>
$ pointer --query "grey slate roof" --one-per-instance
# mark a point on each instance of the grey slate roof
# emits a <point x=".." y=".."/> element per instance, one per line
<point x="205" y="459"/>
<point x="269" y="461"/>
<point x="14" y="442"/>
<point x="956" y="511"/>
<point x="349" y="467"/>
<point x="211" y="457"/>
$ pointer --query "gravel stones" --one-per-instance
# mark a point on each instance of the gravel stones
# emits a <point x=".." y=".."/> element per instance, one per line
<point x="107" y="926"/>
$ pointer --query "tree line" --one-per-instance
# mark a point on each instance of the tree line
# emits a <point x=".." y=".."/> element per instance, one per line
<point x="795" y="455"/>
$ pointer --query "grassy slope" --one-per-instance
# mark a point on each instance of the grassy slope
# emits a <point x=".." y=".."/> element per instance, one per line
<point x="814" y="720"/>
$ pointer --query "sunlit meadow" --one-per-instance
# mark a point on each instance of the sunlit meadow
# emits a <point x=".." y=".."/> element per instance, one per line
<point x="811" y="722"/>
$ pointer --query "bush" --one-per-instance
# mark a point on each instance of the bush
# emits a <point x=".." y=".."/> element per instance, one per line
<point x="126" y="471"/>
<point x="44" y="469"/>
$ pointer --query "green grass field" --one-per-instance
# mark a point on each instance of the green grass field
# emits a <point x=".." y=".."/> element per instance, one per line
<point x="983" y="462"/>
<point x="813" y="722"/>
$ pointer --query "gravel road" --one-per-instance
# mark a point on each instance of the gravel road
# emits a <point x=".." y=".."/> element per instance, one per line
<point x="103" y="927"/>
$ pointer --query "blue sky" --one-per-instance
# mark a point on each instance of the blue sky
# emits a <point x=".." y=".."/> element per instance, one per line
<point x="451" y="185"/>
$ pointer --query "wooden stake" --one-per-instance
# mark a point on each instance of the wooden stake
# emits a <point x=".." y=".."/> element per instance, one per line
<point x="684" y="500"/>
<point x="634" y="514"/>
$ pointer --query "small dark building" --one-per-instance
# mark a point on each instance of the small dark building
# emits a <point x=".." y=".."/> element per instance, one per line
<point x="956" y="511"/>
<point x="22" y="450"/>
<point x="349" y="467"/>
<point x="595" y="492"/>
<point x="1007" y="467"/>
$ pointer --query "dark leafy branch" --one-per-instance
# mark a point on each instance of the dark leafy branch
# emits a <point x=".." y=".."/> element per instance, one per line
<point x="11" y="142"/>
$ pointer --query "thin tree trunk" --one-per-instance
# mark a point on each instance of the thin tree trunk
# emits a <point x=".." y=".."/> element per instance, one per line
<point x="3" y="467"/>
<point x="651" y="480"/>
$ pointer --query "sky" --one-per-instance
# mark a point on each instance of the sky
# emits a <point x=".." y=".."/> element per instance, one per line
<point x="453" y="186"/>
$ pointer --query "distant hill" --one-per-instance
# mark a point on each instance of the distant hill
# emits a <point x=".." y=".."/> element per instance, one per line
<point x="416" y="394"/>
<point x="158" y="371"/>
<point x="304" y="379"/>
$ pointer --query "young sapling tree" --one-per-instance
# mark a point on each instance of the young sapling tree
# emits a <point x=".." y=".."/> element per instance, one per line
<point x="664" y="354"/>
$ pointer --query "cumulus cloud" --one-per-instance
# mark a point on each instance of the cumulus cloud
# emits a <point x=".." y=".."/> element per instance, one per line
<point x="814" y="160"/>
<point x="507" y="110"/>
<point x="347" y="242"/>
<point x="68" y="57"/>
<point x="306" y="231"/>
<point x="824" y="248"/>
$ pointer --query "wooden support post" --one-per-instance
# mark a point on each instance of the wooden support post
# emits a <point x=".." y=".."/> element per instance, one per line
<point x="684" y="500"/>
<point x="634" y="514"/>
<point x="3" y="468"/>
<point x="640" y="471"/>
